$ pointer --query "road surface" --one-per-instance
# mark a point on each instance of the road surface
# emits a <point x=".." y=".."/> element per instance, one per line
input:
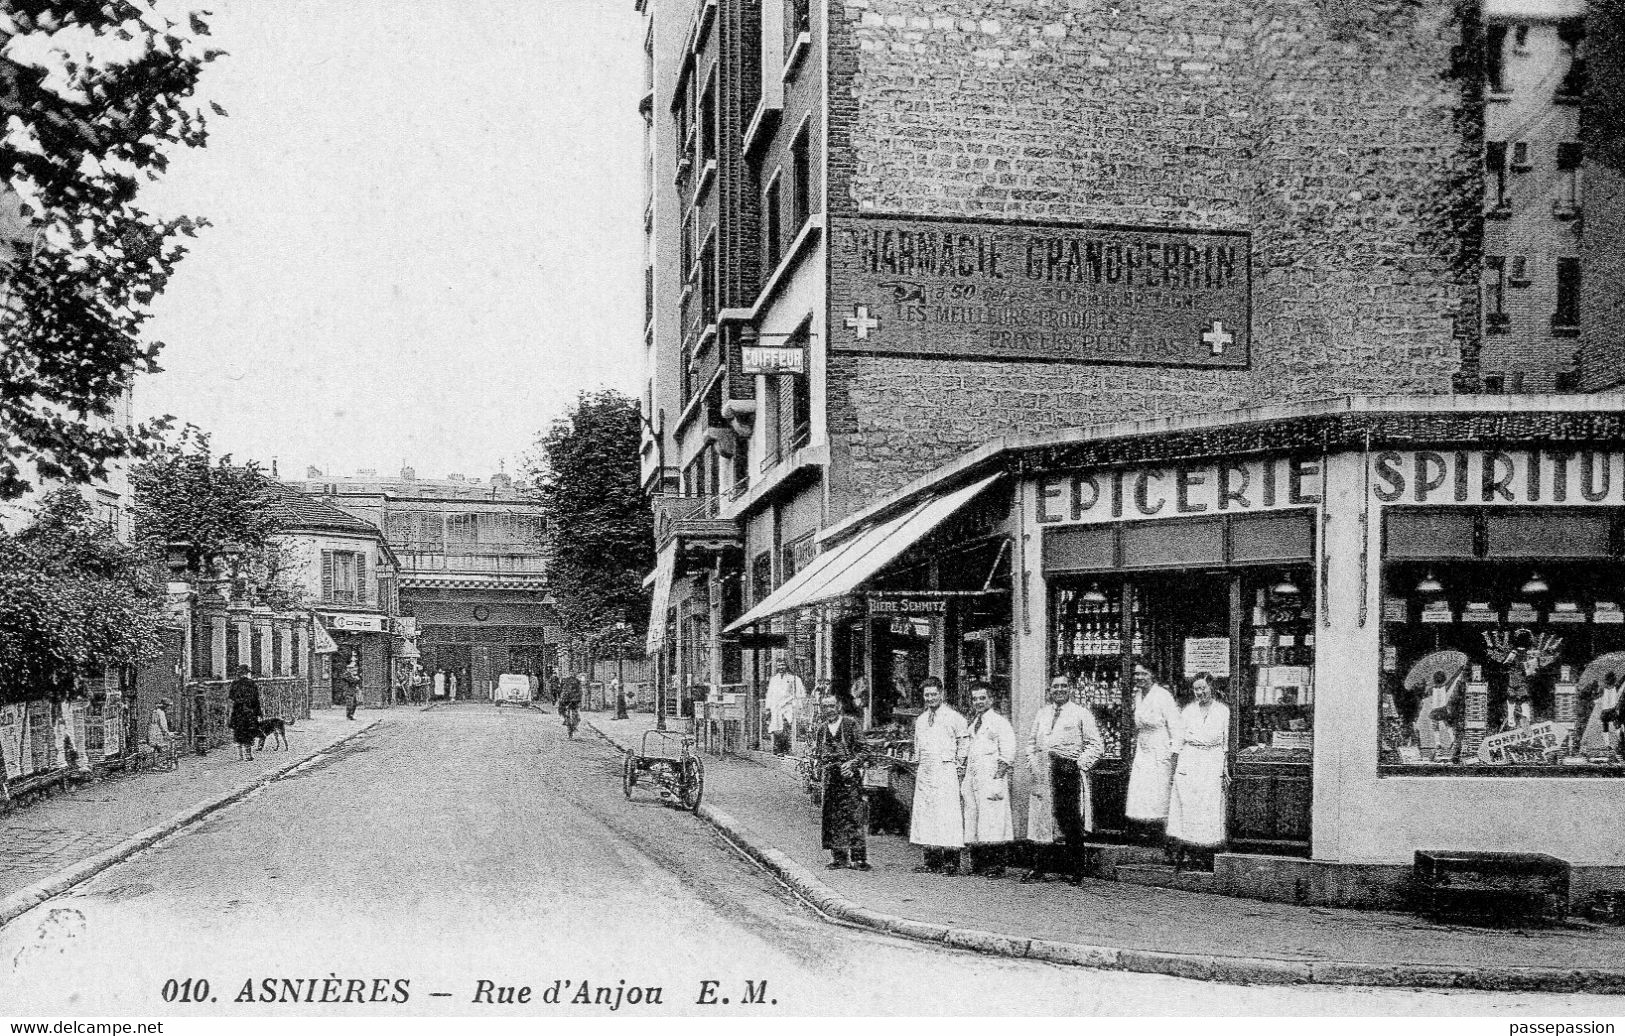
<point x="473" y="852"/>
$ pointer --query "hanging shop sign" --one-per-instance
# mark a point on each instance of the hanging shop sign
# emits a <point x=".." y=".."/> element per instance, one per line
<point x="1210" y="655"/>
<point x="908" y="606"/>
<point x="1060" y="292"/>
<point x="1498" y="477"/>
<point x="355" y="623"/>
<point x="325" y="645"/>
<point x="773" y="359"/>
<point x="1093" y="497"/>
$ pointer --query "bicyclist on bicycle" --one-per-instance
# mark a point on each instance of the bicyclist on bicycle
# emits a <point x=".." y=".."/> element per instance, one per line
<point x="570" y="703"/>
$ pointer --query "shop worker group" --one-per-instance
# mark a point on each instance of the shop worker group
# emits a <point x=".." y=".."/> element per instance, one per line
<point x="962" y="768"/>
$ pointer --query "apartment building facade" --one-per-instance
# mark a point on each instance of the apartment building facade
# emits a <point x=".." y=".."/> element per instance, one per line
<point x="1037" y="217"/>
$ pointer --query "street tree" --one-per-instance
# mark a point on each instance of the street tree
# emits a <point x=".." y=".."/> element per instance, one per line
<point x="212" y="515"/>
<point x="600" y="530"/>
<point x="73" y="600"/>
<point x="93" y="94"/>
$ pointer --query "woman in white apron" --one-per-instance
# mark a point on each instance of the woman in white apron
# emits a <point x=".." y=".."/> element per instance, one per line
<point x="1157" y="729"/>
<point x="1196" y="808"/>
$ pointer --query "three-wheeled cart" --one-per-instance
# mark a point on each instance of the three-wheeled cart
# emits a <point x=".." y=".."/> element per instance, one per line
<point x="668" y="762"/>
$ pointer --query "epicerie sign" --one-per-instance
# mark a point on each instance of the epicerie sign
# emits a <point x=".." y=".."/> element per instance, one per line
<point x="1182" y="489"/>
<point x="1040" y="291"/>
<point x="1498" y="476"/>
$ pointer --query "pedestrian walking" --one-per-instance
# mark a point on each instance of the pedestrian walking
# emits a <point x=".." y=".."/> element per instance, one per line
<point x="1064" y="746"/>
<point x="1157" y="730"/>
<point x="938" y="823"/>
<point x="620" y="697"/>
<point x="158" y="733"/>
<point x="350" y="680"/>
<point x="784" y="691"/>
<point x="839" y="751"/>
<point x="1196" y="806"/>
<point x="245" y="712"/>
<point x="984" y="794"/>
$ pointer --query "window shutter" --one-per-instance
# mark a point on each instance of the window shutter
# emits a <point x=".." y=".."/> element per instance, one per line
<point x="361" y="594"/>
<point x="327" y="575"/>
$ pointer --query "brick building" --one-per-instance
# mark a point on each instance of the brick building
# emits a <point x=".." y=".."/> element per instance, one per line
<point x="473" y="578"/>
<point x="884" y="232"/>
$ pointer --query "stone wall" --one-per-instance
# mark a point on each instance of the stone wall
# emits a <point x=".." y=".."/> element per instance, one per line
<point x="1602" y="256"/>
<point x="1336" y="133"/>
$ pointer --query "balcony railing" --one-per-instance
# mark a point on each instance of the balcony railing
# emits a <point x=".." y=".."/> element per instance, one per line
<point x="502" y="564"/>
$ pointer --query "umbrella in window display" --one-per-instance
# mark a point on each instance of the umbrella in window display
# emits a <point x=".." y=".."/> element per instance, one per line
<point x="1598" y="704"/>
<point x="1523" y="655"/>
<point x="1439" y="675"/>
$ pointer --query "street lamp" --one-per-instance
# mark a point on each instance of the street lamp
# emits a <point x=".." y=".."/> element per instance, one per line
<point x="622" y="630"/>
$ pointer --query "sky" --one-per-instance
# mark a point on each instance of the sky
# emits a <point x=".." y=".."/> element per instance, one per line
<point x="427" y="231"/>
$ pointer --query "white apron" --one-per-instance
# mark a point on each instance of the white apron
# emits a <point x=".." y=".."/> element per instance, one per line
<point x="1075" y="729"/>
<point x="1196" y="807"/>
<point x="1156" y="734"/>
<point x="782" y="693"/>
<point x="938" y="742"/>
<point x="984" y="796"/>
<point x="1592" y="738"/>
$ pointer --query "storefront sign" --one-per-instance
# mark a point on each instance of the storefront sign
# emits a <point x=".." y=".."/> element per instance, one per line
<point x="1210" y="655"/>
<point x="1183" y="489"/>
<point x="1542" y="736"/>
<point x="907" y="606"/>
<point x="1498" y="477"/>
<point x="1053" y="291"/>
<point x="356" y="623"/>
<point x="768" y="359"/>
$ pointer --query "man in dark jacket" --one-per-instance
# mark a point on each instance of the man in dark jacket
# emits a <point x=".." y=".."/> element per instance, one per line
<point x="245" y="712"/>
<point x="840" y="755"/>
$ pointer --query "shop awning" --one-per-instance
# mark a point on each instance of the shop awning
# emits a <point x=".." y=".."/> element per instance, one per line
<point x="844" y="567"/>
<point x="665" y="566"/>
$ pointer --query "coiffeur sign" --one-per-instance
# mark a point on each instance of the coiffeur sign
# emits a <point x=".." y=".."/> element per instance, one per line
<point x="1177" y="490"/>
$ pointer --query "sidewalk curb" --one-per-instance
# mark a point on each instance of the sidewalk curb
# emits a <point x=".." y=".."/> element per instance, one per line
<point x="1208" y="968"/>
<point x="26" y="899"/>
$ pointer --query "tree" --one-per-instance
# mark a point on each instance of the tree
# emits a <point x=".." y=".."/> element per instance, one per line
<point x="212" y="513"/>
<point x="601" y="532"/>
<point x="73" y="599"/>
<point x="93" y="94"/>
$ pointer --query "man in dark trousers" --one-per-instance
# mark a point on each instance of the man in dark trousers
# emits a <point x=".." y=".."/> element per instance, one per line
<point x="351" y="679"/>
<point x="840" y="756"/>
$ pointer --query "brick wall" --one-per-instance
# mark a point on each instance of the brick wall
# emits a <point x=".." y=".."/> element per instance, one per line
<point x="1335" y="132"/>
<point x="1602" y="348"/>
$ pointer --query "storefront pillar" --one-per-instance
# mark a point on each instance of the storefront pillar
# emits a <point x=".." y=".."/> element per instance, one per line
<point x="1029" y="636"/>
<point x="1346" y="703"/>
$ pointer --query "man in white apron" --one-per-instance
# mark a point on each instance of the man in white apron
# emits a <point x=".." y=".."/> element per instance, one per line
<point x="939" y="752"/>
<point x="784" y="691"/>
<point x="1064" y="746"/>
<point x="985" y="792"/>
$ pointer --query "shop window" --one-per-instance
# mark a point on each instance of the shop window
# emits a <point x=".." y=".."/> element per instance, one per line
<point x="1500" y="663"/>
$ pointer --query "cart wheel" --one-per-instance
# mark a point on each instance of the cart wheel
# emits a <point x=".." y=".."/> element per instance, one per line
<point x="693" y="785"/>
<point x="629" y="775"/>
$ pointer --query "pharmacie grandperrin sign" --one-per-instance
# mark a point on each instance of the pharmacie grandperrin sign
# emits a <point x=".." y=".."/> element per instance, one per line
<point x="1056" y="292"/>
<point x="1178" y="490"/>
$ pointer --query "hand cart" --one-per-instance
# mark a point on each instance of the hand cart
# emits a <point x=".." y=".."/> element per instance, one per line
<point x="669" y="763"/>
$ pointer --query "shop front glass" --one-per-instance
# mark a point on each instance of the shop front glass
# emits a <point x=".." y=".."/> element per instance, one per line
<point x="1503" y="641"/>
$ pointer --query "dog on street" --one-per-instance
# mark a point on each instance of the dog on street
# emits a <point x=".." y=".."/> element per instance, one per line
<point x="276" y="731"/>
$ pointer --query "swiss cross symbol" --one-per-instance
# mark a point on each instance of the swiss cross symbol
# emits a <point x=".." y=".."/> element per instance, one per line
<point x="861" y="322"/>
<point x="1216" y="338"/>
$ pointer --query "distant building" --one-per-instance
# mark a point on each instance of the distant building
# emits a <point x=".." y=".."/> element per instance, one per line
<point x="350" y="576"/>
<point x="473" y="574"/>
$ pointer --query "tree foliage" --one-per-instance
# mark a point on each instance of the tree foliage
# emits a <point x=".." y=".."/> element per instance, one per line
<point x="93" y="93"/>
<point x="73" y="599"/>
<point x="213" y="513"/>
<point x="601" y="537"/>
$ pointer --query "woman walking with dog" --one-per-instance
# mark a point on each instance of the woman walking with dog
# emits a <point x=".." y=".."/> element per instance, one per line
<point x="245" y="712"/>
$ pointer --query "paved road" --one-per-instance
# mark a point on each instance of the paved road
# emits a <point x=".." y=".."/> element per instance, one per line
<point x="473" y="843"/>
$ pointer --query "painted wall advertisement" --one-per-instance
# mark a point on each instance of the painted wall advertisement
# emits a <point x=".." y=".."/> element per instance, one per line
<point x="1145" y="296"/>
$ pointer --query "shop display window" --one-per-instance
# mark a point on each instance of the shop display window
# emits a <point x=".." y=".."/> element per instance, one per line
<point x="1274" y="704"/>
<point x="1503" y="642"/>
<point x="1090" y="630"/>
